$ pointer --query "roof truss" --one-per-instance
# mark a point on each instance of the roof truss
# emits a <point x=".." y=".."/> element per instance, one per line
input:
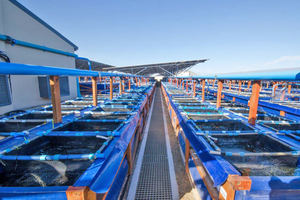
<point x="165" y="69"/>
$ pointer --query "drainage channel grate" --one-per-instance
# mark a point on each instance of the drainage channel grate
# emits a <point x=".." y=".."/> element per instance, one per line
<point x="154" y="180"/>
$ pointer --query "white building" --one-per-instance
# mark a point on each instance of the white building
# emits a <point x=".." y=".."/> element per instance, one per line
<point x="19" y="23"/>
<point x="188" y="73"/>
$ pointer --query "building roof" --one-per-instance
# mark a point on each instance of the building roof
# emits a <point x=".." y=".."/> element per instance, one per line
<point x="96" y="66"/>
<point x="23" y="8"/>
<point x="164" y="69"/>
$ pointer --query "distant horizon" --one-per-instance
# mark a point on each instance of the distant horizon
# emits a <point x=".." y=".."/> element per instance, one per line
<point x="234" y="35"/>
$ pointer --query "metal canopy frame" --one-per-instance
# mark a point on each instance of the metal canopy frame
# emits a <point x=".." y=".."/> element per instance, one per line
<point x="96" y="66"/>
<point x="164" y="69"/>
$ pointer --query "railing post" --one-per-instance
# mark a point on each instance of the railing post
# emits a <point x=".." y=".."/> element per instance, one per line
<point x="55" y="97"/>
<point x="254" y="102"/>
<point x="229" y="85"/>
<point x="240" y="86"/>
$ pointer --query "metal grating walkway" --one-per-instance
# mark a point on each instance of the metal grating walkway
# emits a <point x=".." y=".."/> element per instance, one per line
<point x="154" y="178"/>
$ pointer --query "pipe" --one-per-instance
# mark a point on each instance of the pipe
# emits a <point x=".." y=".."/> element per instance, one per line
<point x="24" y="69"/>
<point x="52" y="157"/>
<point x="86" y="59"/>
<point x="12" y="41"/>
<point x="282" y="91"/>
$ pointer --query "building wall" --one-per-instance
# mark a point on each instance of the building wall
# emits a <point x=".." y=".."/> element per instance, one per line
<point x="19" y="25"/>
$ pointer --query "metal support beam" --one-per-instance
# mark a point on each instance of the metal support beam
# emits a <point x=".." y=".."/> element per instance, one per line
<point x="166" y="71"/>
<point x="141" y="70"/>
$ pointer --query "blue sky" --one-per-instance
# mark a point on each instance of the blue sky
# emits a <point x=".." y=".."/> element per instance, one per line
<point x="236" y="35"/>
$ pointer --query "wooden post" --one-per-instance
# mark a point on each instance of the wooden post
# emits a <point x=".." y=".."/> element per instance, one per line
<point x="249" y="83"/>
<point x="289" y="88"/>
<point x="110" y="88"/>
<point x="120" y="86"/>
<point x="240" y="86"/>
<point x="129" y="156"/>
<point x="219" y="95"/>
<point x="180" y="83"/>
<point x="229" y="85"/>
<point x="232" y="184"/>
<point x="56" y="101"/>
<point x="203" y="90"/>
<point x="176" y="82"/>
<point x="80" y="193"/>
<point x="187" y="85"/>
<point x="254" y="102"/>
<point x="187" y="155"/>
<point x="129" y="84"/>
<point x="194" y="88"/>
<point x="136" y="81"/>
<point x="123" y="85"/>
<point x="94" y="90"/>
